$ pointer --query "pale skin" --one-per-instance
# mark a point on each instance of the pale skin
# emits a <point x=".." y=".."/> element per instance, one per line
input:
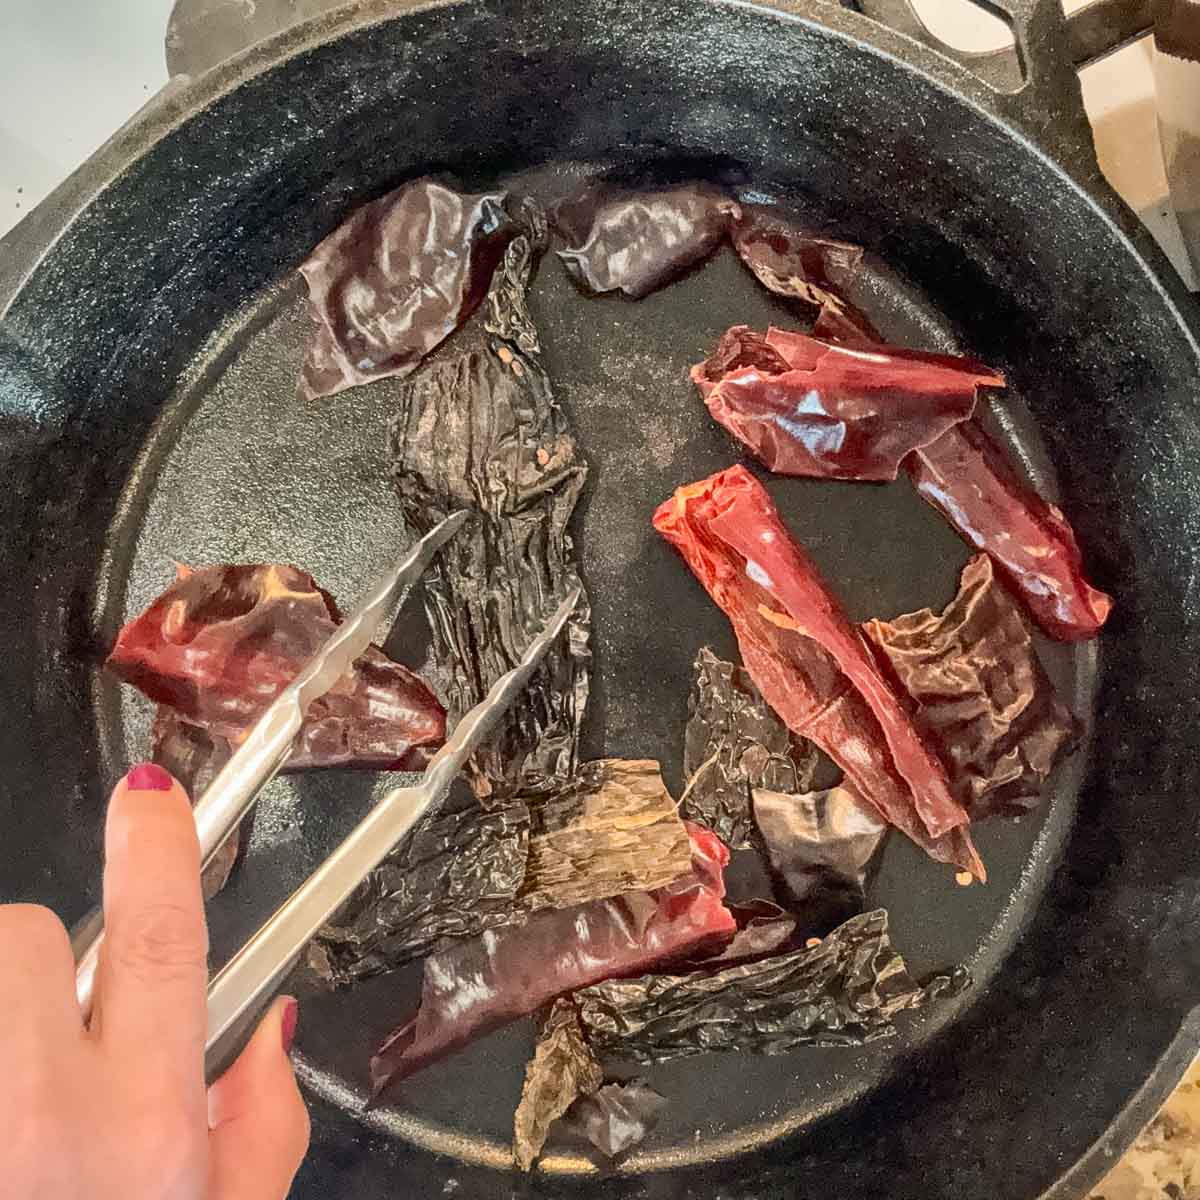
<point x="119" y="1110"/>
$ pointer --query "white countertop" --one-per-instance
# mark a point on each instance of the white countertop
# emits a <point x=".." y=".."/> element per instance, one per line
<point x="71" y="73"/>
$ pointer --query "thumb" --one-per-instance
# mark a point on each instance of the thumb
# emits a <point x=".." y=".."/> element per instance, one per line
<point x="258" y="1121"/>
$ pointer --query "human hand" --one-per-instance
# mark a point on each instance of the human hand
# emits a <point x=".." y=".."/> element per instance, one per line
<point x="119" y="1111"/>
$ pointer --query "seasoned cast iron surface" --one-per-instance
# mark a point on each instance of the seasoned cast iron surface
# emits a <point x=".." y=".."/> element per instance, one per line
<point x="146" y="372"/>
<point x="253" y="474"/>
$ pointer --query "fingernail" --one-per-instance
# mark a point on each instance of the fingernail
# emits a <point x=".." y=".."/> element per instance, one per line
<point x="148" y="777"/>
<point x="288" y="1022"/>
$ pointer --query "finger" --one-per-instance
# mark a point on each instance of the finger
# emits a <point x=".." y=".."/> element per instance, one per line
<point x="257" y="1116"/>
<point x="151" y="1002"/>
<point x="37" y="979"/>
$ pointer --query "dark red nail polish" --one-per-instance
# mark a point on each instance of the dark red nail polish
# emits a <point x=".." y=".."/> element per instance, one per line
<point x="288" y="1023"/>
<point x="149" y="777"/>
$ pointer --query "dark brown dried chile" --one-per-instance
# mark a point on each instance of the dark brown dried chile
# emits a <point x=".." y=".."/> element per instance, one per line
<point x="563" y="1081"/>
<point x="820" y="845"/>
<point x="507" y="314"/>
<point x="635" y="242"/>
<point x="457" y="874"/>
<point x="562" y="1069"/>
<point x="843" y="992"/>
<point x="981" y="693"/>
<point x="618" y="1117"/>
<point x="396" y="279"/>
<point x="613" y="829"/>
<point x="734" y="742"/>
<point x="484" y="432"/>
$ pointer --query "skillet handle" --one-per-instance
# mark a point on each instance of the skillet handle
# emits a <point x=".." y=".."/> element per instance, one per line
<point x="1035" y="84"/>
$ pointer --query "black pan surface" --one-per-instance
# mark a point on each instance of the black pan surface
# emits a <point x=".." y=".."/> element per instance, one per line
<point x="147" y="372"/>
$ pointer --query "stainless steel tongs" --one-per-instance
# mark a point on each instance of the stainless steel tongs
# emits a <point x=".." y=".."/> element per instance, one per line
<point x="240" y="987"/>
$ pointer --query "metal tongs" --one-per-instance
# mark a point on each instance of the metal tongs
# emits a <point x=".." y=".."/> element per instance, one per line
<point x="240" y="988"/>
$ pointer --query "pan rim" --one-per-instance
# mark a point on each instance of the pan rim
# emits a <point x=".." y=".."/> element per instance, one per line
<point x="24" y="248"/>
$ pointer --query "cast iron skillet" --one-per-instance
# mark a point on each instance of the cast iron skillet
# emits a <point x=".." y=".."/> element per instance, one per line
<point x="150" y="339"/>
